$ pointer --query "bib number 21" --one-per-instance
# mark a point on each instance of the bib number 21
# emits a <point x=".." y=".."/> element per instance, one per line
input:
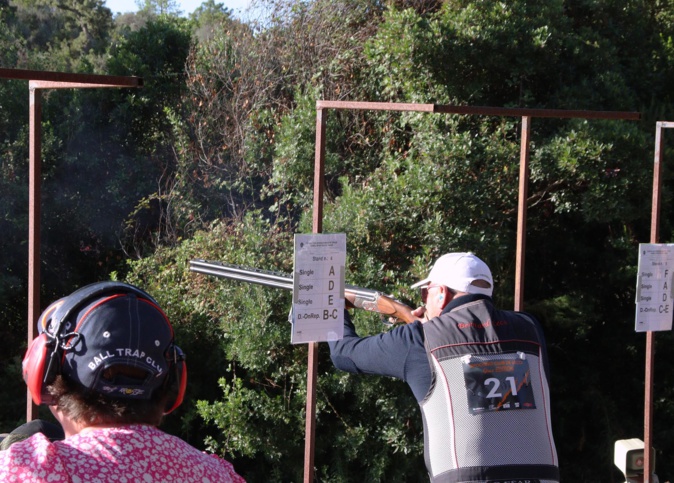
<point x="498" y="383"/>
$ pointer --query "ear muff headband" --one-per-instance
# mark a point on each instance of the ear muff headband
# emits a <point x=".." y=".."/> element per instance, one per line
<point x="86" y="294"/>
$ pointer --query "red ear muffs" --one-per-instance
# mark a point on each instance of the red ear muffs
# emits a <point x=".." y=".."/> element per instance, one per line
<point x="179" y="369"/>
<point x="41" y="362"/>
<point x="35" y="363"/>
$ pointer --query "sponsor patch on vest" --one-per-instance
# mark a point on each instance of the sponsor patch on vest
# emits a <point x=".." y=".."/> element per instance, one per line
<point x="498" y="383"/>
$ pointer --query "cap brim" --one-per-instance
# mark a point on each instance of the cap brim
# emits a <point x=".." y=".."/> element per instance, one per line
<point x="425" y="281"/>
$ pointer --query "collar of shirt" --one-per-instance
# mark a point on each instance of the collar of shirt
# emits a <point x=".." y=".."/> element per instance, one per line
<point x="464" y="299"/>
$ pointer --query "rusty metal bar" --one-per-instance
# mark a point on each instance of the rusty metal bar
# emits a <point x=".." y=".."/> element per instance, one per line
<point x="310" y="421"/>
<point x="648" y="407"/>
<point x="657" y="182"/>
<point x="312" y="367"/>
<point x="664" y="124"/>
<point x="650" y="335"/>
<point x="319" y="170"/>
<point x="66" y="85"/>
<point x="82" y="80"/>
<point x="522" y="213"/>
<point x="374" y="106"/>
<point x="550" y="113"/>
<point x="481" y="110"/>
<point x="34" y="194"/>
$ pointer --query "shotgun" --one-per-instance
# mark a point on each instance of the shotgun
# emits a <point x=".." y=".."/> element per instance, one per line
<point x="354" y="297"/>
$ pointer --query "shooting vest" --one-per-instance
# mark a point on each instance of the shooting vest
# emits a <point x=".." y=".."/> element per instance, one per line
<point x="487" y="414"/>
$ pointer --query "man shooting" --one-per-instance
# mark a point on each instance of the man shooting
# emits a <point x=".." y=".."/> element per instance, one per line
<point x="479" y="374"/>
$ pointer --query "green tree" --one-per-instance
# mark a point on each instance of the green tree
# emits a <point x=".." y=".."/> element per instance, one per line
<point x="145" y="126"/>
<point x="209" y="17"/>
<point x="63" y="35"/>
<point x="159" y="7"/>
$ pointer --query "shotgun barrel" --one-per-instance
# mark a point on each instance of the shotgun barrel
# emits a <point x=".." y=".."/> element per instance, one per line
<point x="355" y="297"/>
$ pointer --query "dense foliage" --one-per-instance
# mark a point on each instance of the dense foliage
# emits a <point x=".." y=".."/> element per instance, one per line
<point x="213" y="158"/>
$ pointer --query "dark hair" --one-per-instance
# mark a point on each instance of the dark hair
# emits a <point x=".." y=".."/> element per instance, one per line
<point x="90" y="407"/>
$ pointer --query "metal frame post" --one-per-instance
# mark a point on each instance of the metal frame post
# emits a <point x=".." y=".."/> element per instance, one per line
<point x="522" y="213"/>
<point x="650" y="335"/>
<point x="312" y="367"/>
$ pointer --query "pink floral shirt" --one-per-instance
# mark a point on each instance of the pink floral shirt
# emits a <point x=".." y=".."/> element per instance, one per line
<point x="129" y="454"/>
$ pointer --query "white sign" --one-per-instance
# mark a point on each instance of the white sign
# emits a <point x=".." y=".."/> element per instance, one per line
<point x="654" y="287"/>
<point x="318" y="288"/>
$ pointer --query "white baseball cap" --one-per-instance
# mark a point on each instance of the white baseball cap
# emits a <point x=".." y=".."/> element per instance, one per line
<point x="457" y="271"/>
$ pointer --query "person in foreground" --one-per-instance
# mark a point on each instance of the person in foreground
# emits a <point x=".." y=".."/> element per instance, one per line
<point x="479" y="374"/>
<point x="106" y="364"/>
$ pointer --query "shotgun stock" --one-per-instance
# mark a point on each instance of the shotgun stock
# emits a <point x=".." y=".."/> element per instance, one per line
<point x="354" y="297"/>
